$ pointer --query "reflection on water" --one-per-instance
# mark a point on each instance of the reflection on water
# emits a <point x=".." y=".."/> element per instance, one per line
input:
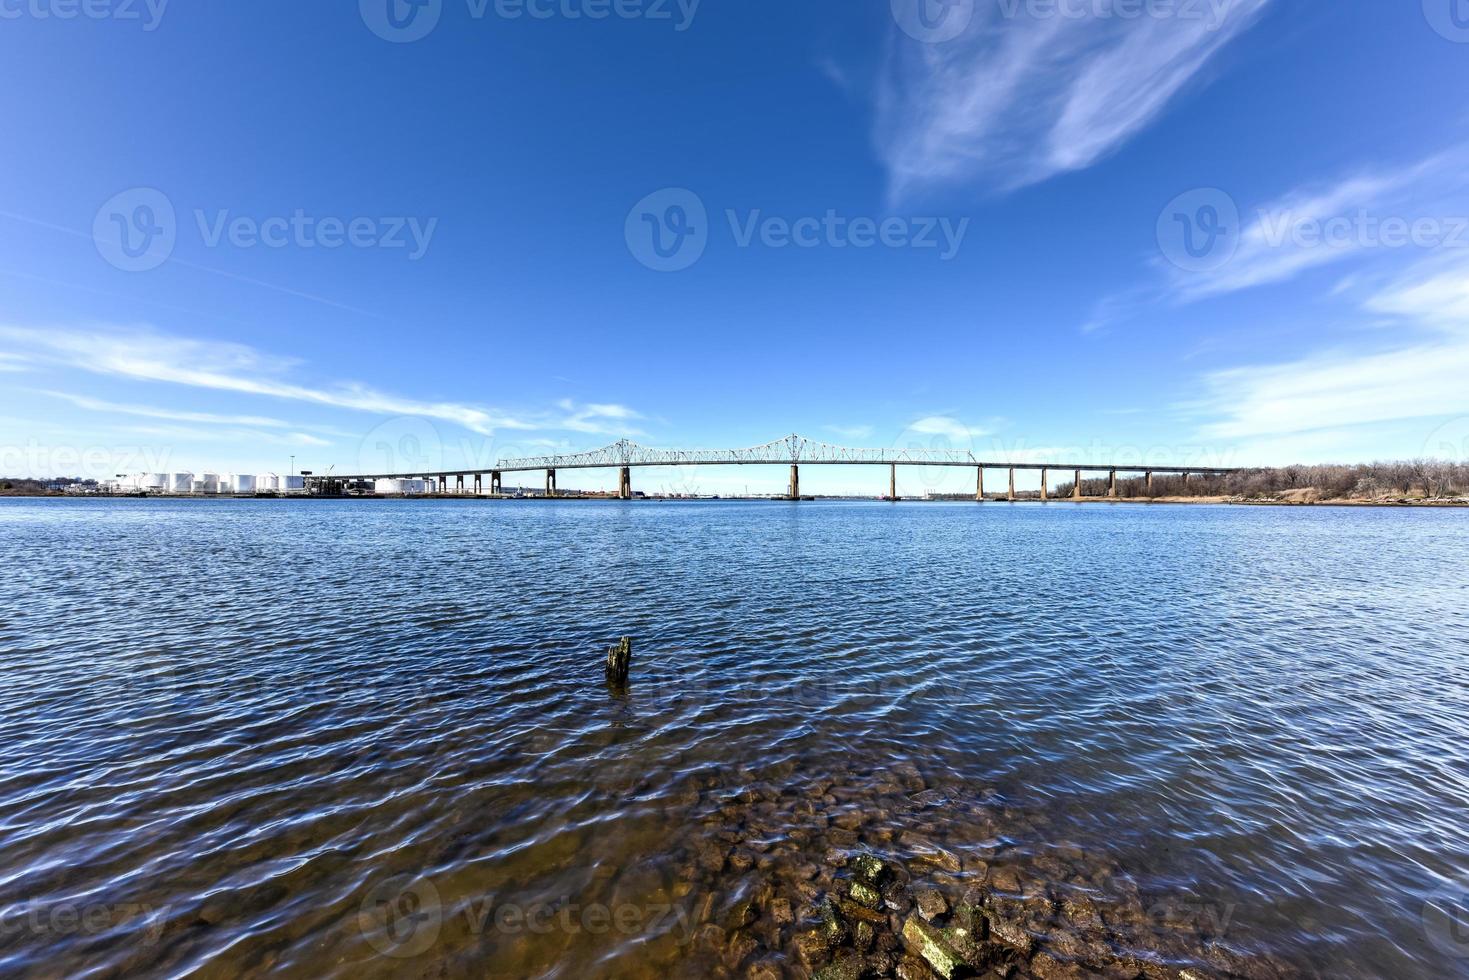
<point x="374" y="738"/>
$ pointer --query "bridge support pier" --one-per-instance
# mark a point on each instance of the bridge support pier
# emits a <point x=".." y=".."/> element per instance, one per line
<point x="1011" y="495"/>
<point x="550" y="483"/>
<point x="624" y="484"/>
<point x="893" y="482"/>
<point x="443" y="484"/>
<point x="1149" y="476"/>
<point x="795" y="493"/>
<point x="1044" y="474"/>
<point x="478" y="484"/>
<point x="495" y="482"/>
<point x="459" y="484"/>
<point x="1112" y="484"/>
<point x="979" y="484"/>
<point x="1076" y="487"/>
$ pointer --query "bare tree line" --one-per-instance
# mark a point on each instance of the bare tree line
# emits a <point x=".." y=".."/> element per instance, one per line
<point x="1410" y="479"/>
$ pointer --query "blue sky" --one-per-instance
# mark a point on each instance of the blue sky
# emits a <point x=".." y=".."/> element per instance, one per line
<point x="1220" y="232"/>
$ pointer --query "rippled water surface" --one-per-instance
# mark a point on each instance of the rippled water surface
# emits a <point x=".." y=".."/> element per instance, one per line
<point x="365" y="738"/>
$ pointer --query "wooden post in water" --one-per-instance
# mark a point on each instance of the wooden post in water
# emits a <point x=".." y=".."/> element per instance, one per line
<point x="619" y="659"/>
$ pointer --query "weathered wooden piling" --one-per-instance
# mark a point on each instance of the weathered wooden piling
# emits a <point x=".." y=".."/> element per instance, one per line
<point x="619" y="659"/>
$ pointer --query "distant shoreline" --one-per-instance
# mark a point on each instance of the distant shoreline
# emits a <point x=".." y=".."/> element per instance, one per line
<point x="1032" y="499"/>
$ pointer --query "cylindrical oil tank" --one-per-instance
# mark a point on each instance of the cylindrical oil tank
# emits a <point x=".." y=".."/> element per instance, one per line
<point x="152" y="481"/>
<point x="293" y="484"/>
<point x="267" y="483"/>
<point x="243" y="483"/>
<point x="210" y="481"/>
<point x="180" y="482"/>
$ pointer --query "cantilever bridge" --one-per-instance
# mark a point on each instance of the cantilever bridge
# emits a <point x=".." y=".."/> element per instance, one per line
<point x="795" y="451"/>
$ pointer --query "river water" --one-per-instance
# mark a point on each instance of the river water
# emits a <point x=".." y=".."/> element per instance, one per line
<point x="363" y="738"/>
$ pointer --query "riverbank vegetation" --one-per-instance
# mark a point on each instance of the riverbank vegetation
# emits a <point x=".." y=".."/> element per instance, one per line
<point x="1411" y="481"/>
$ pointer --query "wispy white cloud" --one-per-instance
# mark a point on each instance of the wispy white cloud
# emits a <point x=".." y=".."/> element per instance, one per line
<point x="214" y="436"/>
<point x="602" y="419"/>
<point x="143" y="354"/>
<point x="1021" y="96"/>
<point x="1338" y="388"/>
<point x="946" y="427"/>
<point x="1392" y="216"/>
<point x="13" y="363"/>
<point x="1416" y="208"/>
<point x="148" y="411"/>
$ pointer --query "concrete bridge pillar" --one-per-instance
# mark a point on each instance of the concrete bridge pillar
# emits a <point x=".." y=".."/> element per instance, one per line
<point x="624" y="484"/>
<point x="550" y="483"/>
<point x="444" y="484"/>
<point x="979" y="483"/>
<point x="1076" y="486"/>
<point x="893" y="481"/>
<point x="1044" y="474"/>
<point x="1112" y="483"/>
<point x="1148" y="475"/>
<point x="795" y="493"/>
<point x="495" y="481"/>
<point x="459" y="483"/>
<point x="1011" y="494"/>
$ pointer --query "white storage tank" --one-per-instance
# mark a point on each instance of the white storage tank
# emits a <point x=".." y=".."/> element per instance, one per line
<point x="267" y="483"/>
<point x="152" y="481"/>
<point x="210" y="481"/>
<point x="397" y="487"/>
<point x="293" y="484"/>
<point x="242" y="483"/>
<point x="180" y="482"/>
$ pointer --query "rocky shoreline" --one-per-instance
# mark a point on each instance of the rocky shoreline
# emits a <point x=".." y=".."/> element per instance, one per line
<point x="863" y="877"/>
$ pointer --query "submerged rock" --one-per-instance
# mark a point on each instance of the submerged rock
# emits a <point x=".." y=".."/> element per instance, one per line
<point x="927" y="943"/>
